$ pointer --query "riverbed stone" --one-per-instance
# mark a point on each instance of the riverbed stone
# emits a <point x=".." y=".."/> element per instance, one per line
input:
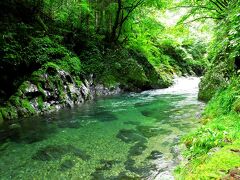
<point x="130" y="136"/>
<point x="56" y="152"/>
<point x="66" y="165"/>
<point x="151" y="131"/>
<point x="155" y="155"/>
<point x="137" y="149"/>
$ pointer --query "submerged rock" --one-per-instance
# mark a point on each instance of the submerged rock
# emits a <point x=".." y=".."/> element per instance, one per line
<point x="137" y="149"/>
<point x="130" y="136"/>
<point x="66" y="165"/>
<point x="105" y="165"/>
<point x="151" y="131"/>
<point x="142" y="171"/>
<point x="56" y="152"/>
<point x="155" y="155"/>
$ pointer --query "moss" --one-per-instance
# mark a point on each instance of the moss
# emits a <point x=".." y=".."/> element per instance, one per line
<point x="27" y="105"/>
<point x="78" y="82"/>
<point x="70" y="64"/>
<point x="9" y="112"/>
<point x="15" y="101"/>
<point x="40" y="89"/>
<point x="37" y="76"/>
<point x="40" y="102"/>
<point x="50" y="65"/>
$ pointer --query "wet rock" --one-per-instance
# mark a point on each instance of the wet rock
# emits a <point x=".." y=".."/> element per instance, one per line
<point x="100" y="90"/>
<point x="31" y="88"/>
<point x="155" y="155"/>
<point x="66" y="165"/>
<point x="56" y="152"/>
<point x="129" y="136"/>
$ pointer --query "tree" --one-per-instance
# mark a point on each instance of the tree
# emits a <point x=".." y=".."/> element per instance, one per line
<point x="124" y="10"/>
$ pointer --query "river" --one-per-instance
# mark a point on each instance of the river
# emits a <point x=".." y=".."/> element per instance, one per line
<point x="128" y="136"/>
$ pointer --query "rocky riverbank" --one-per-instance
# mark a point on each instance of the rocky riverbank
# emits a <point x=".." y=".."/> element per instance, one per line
<point x="51" y="89"/>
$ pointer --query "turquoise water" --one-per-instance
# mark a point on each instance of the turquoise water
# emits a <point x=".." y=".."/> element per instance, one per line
<point x="129" y="136"/>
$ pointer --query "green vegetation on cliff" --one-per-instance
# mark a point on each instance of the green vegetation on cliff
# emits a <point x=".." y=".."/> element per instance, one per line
<point x="213" y="150"/>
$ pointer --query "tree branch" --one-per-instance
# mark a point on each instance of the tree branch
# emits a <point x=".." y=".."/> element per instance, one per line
<point x="202" y="7"/>
<point x="203" y="17"/>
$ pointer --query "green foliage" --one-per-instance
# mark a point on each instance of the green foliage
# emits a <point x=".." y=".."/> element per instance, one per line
<point x="209" y="148"/>
<point x="40" y="102"/>
<point x="214" y="79"/>
<point x="222" y="53"/>
<point x="26" y="105"/>
<point x="8" y="112"/>
<point x="226" y="100"/>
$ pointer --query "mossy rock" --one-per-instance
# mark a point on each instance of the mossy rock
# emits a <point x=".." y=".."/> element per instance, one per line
<point x="40" y="103"/>
<point x="156" y="78"/>
<point x="9" y="112"/>
<point x="27" y="105"/>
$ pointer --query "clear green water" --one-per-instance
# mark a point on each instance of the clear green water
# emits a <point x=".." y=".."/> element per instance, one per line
<point x="120" y="137"/>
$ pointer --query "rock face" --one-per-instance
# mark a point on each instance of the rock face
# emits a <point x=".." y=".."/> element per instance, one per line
<point x="48" y="90"/>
